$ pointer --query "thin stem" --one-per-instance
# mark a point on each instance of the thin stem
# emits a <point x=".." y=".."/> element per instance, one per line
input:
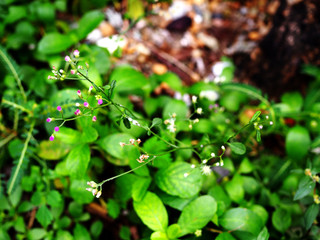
<point x="17" y="106"/>
<point x="7" y="139"/>
<point x="109" y="179"/>
<point x="24" y="150"/>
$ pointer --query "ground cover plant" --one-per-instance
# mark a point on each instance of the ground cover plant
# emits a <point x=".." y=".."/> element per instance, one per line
<point x="92" y="148"/>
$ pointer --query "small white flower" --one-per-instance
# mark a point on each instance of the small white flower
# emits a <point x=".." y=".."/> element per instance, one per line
<point x="98" y="194"/>
<point x="260" y="126"/>
<point x="223" y="148"/>
<point x="77" y="104"/>
<point x="193" y="166"/>
<point x="186" y="174"/>
<point x="271" y="123"/>
<point x="92" y="184"/>
<point x="217" y="164"/>
<point x="206" y="170"/>
<point x="122" y="144"/>
<point x="132" y="141"/>
<point x="204" y="161"/>
<point x="94" y="191"/>
<point x="212" y="155"/>
<point x="194" y="99"/>
<point x="199" y="110"/>
<point x="211" y="95"/>
<point x="267" y="117"/>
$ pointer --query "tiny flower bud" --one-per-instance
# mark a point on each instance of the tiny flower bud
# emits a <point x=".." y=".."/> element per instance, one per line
<point x="174" y="115"/>
<point x="190" y="126"/>
<point x="77" y="104"/>
<point x="100" y="101"/>
<point x="49" y="120"/>
<point x="90" y="89"/>
<point x="94" y="118"/>
<point x="59" y="108"/>
<point x="138" y="141"/>
<point x="92" y="184"/>
<point x="132" y="141"/>
<point x="260" y="127"/>
<point x="122" y="144"/>
<point x="61" y="71"/>
<point x="94" y="192"/>
<point x="87" y="65"/>
<point x="196" y="120"/>
<point x="98" y="194"/>
<point x="194" y="99"/>
<point x="223" y="148"/>
<point x="267" y="117"/>
<point x="271" y="123"/>
<point x="193" y="166"/>
<point x="199" y="110"/>
<point x="73" y="71"/>
<point x="89" y="189"/>
<point x="86" y="104"/>
<point x="49" y="77"/>
<point x="79" y="93"/>
<point x="53" y="67"/>
<point x="56" y="129"/>
<point x="77" y="112"/>
<point x="217" y="164"/>
<point x="204" y="161"/>
<point x="307" y="172"/>
<point x="186" y="174"/>
<point x="51" y="138"/>
<point x="213" y="155"/>
<point x="76" y="53"/>
<point x="67" y="59"/>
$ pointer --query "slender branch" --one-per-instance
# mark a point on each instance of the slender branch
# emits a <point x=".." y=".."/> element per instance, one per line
<point x="17" y="106"/>
<point x="24" y="150"/>
<point x="7" y="139"/>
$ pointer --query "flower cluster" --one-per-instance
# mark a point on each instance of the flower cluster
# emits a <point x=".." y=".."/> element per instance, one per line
<point x="132" y="142"/>
<point x="142" y="158"/>
<point x="171" y="123"/>
<point x="134" y="122"/>
<point x="56" y="129"/>
<point x="94" y="189"/>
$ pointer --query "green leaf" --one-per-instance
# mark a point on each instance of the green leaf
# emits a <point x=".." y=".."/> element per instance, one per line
<point x="158" y="236"/>
<point x="294" y="100"/>
<point x="175" y="106"/>
<point x="246" y="166"/>
<point x="81" y="233"/>
<point x="261" y="212"/>
<point x="89" y="22"/>
<point x="36" y="233"/>
<point x="113" y="208"/>
<point x="225" y="236"/>
<point x="281" y="220"/>
<point x="235" y="189"/>
<point x="237" y="147"/>
<point x="172" y="180"/>
<point x="264" y="234"/>
<point x="19" y="225"/>
<point x="68" y="135"/>
<point x="255" y="116"/>
<point x="55" y="43"/>
<point x="306" y="186"/>
<point x="310" y="215"/>
<point x="135" y="9"/>
<point x="152" y="212"/>
<point x="53" y="150"/>
<point x="297" y="143"/>
<point x="96" y="228"/>
<point x="126" y="123"/>
<point x="54" y="199"/>
<point x="258" y="136"/>
<point x="251" y="185"/>
<point x="111" y="89"/>
<point x="89" y="134"/>
<point x="156" y="122"/>
<point x="75" y="209"/>
<point x="140" y="187"/>
<point x="44" y="216"/>
<point x="46" y="12"/>
<point x="197" y="214"/>
<point x="111" y="145"/>
<point x="174" y="201"/>
<point x="79" y="193"/>
<point x="241" y="219"/>
<point x="173" y="231"/>
<point x="78" y="160"/>
<point x="64" y="235"/>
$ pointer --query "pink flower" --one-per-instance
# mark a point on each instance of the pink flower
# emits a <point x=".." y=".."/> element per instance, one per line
<point x="79" y="93"/>
<point x="100" y="101"/>
<point x="77" y="112"/>
<point x="94" y="118"/>
<point x="86" y="104"/>
<point x="51" y="138"/>
<point x="53" y="67"/>
<point x="76" y="53"/>
<point x="49" y="77"/>
<point x="90" y="89"/>
<point x="56" y="129"/>
<point x="67" y="59"/>
<point x="49" y="119"/>
<point x="59" y="108"/>
<point x="72" y="71"/>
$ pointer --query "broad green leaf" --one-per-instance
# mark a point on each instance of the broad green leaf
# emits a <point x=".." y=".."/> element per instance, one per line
<point x="53" y="150"/>
<point x="89" y="134"/>
<point x="297" y="143"/>
<point x="281" y="220"/>
<point x="294" y="100"/>
<point x="197" y="214"/>
<point x="45" y="12"/>
<point x="237" y="147"/>
<point x="173" y="231"/>
<point x="78" y="160"/>
<point x="75" y="209"/>
<point x="172" y="180"/>
<point x="68" y="135"/>
<point x="96" y="228"/>
<point x="156" y="122"/>
<point x="88" y="23"/>
<point x="20" y="225"/>
<point x="125" y="233"/>
<point x="173" y="81"/>
<point x="261" y="212"/>
<point x="246" y="166"/>
<point x="306" y="186"/>
<point x="140" y="187"/>
<point x="55" y="43"/>
<point x="175" y="106"/>
<point x="219" y="194"/>
<point x="65" y="98"/>
<point x="264" y="234"/>
<point x="225" y="236"/>
<point x="124" y="187"/>
<point x="44" y="216"/>
<point x="152" y="212"/>
<point x="241" y="219"/>
<point x="125" y="77"/>
<point x="251" y="185"/>
<point x="36" y="233"/>
<point x="64" y="235"/>
<point x="232" y="100"/>
<point x="113" y="208"/>
<point x="111" y="145"/>
<point x="235" y="189"/>
<point x="311" y="214"/>
<point x="255" y="116"/>
<point x="174" y="201"/>
<point x="159" y="236"/>
<point x="54" y="198"/>
<point x="15" y="13"/>
<point x="135" y="9"/>
<point x="79" y="193"/>
<point x="81" y="233"/>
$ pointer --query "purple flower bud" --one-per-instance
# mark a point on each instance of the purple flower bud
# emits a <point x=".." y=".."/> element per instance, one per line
<point x="59" y="108"/>
<point x="100" y="101"/>
<point x="56" y="129"/>
<point x="51" y="138"/>
<point x="94" y="118"/>
<point x="76" y="53"/>
<point x="67" y="59"/>
<point x="49" y="120"/>
<point x="86" y="104"/>
<point x="79" y="93"/>
<point x="77" y="112"/>
<point x="72" y="71"/>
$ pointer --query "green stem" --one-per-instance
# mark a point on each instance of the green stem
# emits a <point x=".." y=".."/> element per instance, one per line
<point x="7" y="139"/>
<point x="24" y="150"/>
<point x="109" y="179"/>
<point x="17" y="106"/>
